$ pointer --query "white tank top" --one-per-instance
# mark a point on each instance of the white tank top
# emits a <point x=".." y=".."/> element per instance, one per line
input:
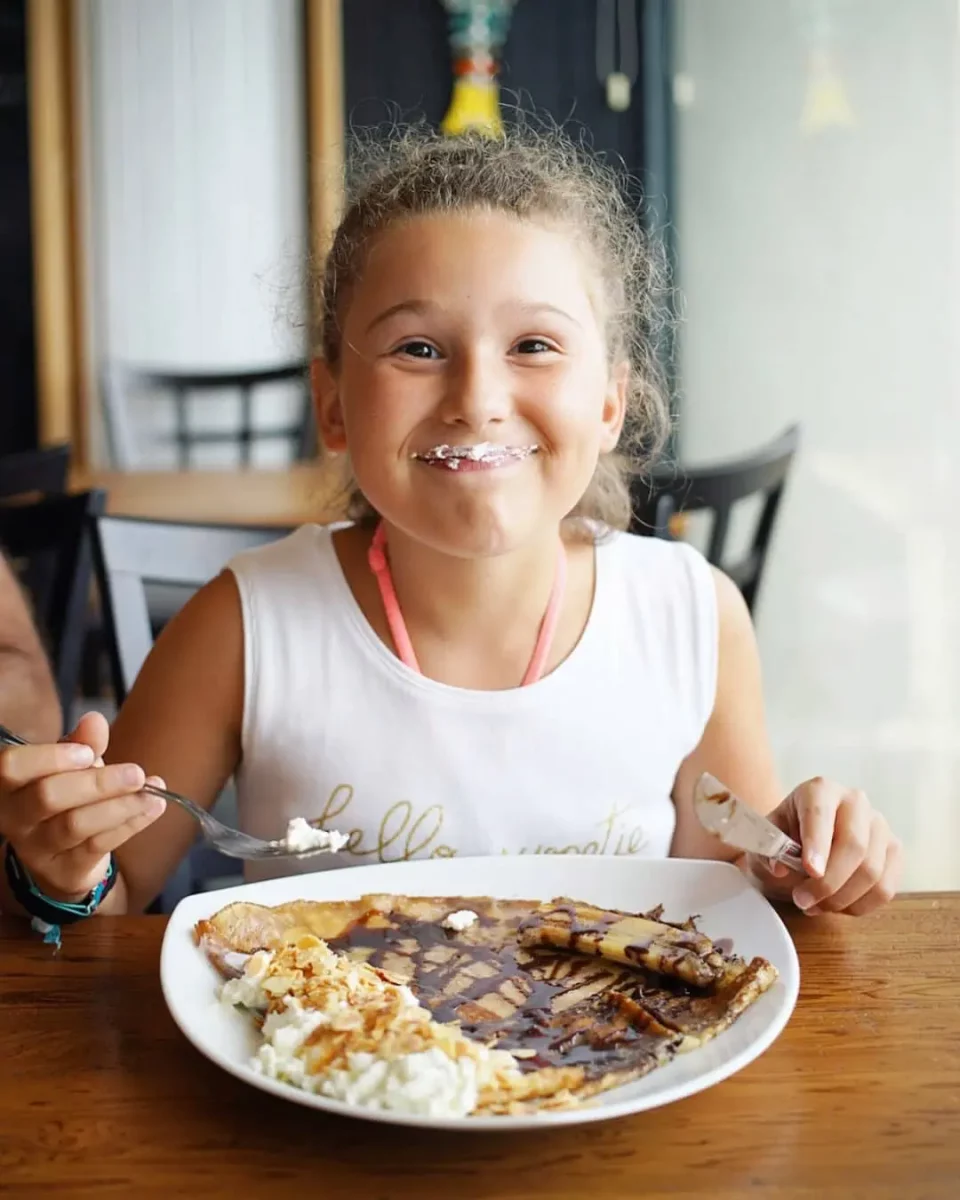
<point x="581" y="762"/>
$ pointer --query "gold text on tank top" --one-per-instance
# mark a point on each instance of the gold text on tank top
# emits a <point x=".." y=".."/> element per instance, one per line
<point x="405" y="832"/>
<point x="615" y="838"/>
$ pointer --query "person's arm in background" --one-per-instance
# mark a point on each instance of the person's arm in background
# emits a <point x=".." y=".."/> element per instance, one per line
<point x="29" y="704"/>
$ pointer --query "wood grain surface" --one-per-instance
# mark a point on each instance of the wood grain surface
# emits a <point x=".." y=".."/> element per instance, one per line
<point x="294" y="495"/>
<point x="100" y="1095"/>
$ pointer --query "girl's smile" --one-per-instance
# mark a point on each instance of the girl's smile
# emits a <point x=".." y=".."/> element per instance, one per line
<point x="483" y="456"/>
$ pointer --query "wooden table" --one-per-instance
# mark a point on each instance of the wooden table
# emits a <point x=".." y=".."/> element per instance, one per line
<point x="293" y="495"/>
<point x="859" y="1099"/>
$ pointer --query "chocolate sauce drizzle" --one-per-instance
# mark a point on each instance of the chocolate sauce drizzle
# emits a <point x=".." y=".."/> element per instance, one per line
<point x="558" y="1009"/>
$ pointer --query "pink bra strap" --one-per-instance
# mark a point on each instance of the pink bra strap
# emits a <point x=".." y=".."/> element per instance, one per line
<point x="377" y="557"/>
<point x="548" y="626"/>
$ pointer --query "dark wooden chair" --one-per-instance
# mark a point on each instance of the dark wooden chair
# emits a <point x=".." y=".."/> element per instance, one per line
<point x="34" y="472"/>
<point x="38" y="473"/>
<point x="120" y="383"/>
<point x="49" y="544"/>
<point x="129" y="555"/>
<point x="660" y="502"/>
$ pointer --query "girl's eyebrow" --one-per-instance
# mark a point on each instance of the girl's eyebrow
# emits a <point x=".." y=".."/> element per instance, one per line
<point x="418" y="307"/>
<point x="421" y="308"/>
<point x="532" y="308"/>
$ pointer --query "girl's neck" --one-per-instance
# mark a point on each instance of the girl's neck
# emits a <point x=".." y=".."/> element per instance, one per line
<point x="446" y="594"/>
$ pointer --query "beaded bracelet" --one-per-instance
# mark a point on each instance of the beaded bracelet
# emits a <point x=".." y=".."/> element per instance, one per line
<point x="48" y="914"/>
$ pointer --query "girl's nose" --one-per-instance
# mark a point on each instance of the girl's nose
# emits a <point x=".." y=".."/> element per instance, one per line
<point x="477" y="392"/>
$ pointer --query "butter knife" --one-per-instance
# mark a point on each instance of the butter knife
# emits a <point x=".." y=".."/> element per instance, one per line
<point x="741" y="827"/>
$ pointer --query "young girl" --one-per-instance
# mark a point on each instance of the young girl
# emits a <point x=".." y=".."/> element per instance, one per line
<point x="481" y="662"/>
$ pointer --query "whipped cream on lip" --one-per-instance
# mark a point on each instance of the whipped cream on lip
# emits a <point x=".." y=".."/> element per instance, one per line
<point x="491" y="454"/>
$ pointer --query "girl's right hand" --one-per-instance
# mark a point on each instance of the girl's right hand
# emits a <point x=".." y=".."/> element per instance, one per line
<point x="63" y="811"/>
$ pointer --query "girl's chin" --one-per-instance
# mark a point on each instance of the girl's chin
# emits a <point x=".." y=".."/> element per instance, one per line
<point x="480" y="535"/>
<point x="472" y="522"/>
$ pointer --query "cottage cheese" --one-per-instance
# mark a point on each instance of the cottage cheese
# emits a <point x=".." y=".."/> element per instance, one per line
<point x="461" y="920"/>
<point x="428" y="1084"/>
<point x="383" y="1050"/>
<point x="247" y="989"/>
<point x="302" y="837"/>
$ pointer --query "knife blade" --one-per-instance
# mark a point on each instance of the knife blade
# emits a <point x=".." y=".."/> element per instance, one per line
<point x="741" y="827"/>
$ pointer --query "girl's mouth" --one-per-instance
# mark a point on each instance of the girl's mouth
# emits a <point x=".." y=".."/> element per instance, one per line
<point x="482" y="457"/>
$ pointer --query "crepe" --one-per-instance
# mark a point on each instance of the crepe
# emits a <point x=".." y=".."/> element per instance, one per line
<point x="582" y="998"/>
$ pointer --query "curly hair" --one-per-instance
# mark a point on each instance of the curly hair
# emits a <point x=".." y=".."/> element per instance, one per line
<point x="533" y="174"/>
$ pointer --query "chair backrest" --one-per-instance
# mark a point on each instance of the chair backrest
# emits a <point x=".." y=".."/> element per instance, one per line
<point x="49" y="542"/>
<point x="39" y="472"/>
<point x="120" y="383"/>
<point x="763" y="474"/>
<point x="130" y="554"/>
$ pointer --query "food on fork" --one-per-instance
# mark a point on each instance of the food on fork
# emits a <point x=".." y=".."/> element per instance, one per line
<point x="383" y="1002"/>
<point x="302" y="837"/>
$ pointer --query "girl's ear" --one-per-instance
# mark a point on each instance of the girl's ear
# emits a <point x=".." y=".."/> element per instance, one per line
<point x="614" y="407"/>
<point x="326" y="405"/>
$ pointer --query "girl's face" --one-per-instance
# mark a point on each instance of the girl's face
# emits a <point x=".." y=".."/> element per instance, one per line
<point x="472" y="330"/>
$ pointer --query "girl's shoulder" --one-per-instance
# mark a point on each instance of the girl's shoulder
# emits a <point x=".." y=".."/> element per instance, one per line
<point x="656" y="566"/>
<point x="297" y="561"/>
<point x="302" y="546"/>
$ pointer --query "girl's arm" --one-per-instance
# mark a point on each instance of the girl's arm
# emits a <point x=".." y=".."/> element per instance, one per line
<point x="64" y="809"/>
<point x="735" y="746"/>
<point x="853" y="863"/>
<point x="182" y="722"/>
<point x="28" y="697"/>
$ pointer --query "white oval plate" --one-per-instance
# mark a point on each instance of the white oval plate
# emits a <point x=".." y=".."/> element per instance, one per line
<point x="728" y="906"/>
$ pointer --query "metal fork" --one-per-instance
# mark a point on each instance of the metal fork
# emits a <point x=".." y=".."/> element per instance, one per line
<point x="231" y="842"/>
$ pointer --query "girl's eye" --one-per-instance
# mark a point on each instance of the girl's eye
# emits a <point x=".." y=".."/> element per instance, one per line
<point x="419" y="350"/>
<point x="533" y="346"/>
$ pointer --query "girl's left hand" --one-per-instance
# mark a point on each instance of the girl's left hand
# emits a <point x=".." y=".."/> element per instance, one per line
<point x="853" y="860"/>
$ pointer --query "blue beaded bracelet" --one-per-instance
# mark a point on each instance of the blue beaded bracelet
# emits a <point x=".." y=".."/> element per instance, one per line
<point x="51" y="914"/>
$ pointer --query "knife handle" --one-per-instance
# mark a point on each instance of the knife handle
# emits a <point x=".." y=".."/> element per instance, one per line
<point x="791" y="855"/>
